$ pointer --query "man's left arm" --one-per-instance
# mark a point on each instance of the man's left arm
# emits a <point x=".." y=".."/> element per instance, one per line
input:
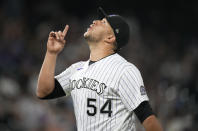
<point x="134" y="97"/>
<point x="151" y="123"/>
<point x="146" y="116"/>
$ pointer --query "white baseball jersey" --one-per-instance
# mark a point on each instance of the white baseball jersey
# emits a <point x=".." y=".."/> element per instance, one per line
<point x="104" y="93"/>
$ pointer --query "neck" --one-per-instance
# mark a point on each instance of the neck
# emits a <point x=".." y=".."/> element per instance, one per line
<point x="98" y="52"/>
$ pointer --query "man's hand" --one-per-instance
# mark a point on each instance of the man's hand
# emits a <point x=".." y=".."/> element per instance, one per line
<point x="56" y="41"/>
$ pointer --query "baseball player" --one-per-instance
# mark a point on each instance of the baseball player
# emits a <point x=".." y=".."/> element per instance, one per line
<point x="107" y="90"/>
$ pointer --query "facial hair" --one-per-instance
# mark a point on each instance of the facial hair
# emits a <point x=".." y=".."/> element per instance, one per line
<point x="90" y="37"/>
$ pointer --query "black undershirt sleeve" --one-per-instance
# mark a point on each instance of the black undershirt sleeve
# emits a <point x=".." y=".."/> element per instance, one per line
<point x="143" y="111"/>
<point x="57" y="92"/>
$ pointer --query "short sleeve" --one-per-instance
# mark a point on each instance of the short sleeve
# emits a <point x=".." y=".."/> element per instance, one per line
<point x="131" y="88"/>
<point x="64" y="80"/>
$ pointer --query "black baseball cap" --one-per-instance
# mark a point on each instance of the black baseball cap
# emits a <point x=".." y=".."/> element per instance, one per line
<point x="119" y="25"/>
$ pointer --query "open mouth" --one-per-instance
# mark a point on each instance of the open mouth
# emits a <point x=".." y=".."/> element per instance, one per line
<point x="90" y="27"/>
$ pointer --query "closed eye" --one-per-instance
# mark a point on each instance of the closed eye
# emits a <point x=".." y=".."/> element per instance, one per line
<point x="104" y="21"/>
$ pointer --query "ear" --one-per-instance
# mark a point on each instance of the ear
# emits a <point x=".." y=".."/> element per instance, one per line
<point x="110" y="39"/>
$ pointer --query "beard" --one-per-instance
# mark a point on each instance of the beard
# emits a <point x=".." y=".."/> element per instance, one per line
<point x="91" y="37"/>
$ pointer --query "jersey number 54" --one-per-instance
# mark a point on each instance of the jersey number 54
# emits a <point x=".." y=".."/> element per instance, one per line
<point x="91" y="105"/>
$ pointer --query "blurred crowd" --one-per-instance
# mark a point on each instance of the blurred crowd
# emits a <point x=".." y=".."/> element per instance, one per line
<point x="168" y="63"/>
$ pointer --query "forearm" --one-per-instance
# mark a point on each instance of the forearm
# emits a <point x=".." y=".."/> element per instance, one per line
<point x="152" y="124"/>
<point x="46" y="76"/>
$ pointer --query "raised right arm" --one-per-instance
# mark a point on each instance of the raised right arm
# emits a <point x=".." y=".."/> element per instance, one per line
<point x="55" y="45"/>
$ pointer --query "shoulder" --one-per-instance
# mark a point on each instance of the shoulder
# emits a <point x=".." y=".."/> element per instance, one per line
<point x="74" y="67"/>
<point x="78" y="64"/>
<point x="129" y="67"/>
<point x="125" y="65"/>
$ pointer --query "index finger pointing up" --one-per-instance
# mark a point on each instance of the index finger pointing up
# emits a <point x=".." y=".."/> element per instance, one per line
<point x="65" y="30"/>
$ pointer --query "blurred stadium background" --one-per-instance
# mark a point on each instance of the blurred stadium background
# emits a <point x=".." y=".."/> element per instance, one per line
<point x="163" y="45"/>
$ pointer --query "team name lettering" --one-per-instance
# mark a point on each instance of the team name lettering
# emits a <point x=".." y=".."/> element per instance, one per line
<point x="88" y="83"/>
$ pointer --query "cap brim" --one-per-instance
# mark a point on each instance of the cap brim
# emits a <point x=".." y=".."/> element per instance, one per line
<point x="101" y="13"/>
